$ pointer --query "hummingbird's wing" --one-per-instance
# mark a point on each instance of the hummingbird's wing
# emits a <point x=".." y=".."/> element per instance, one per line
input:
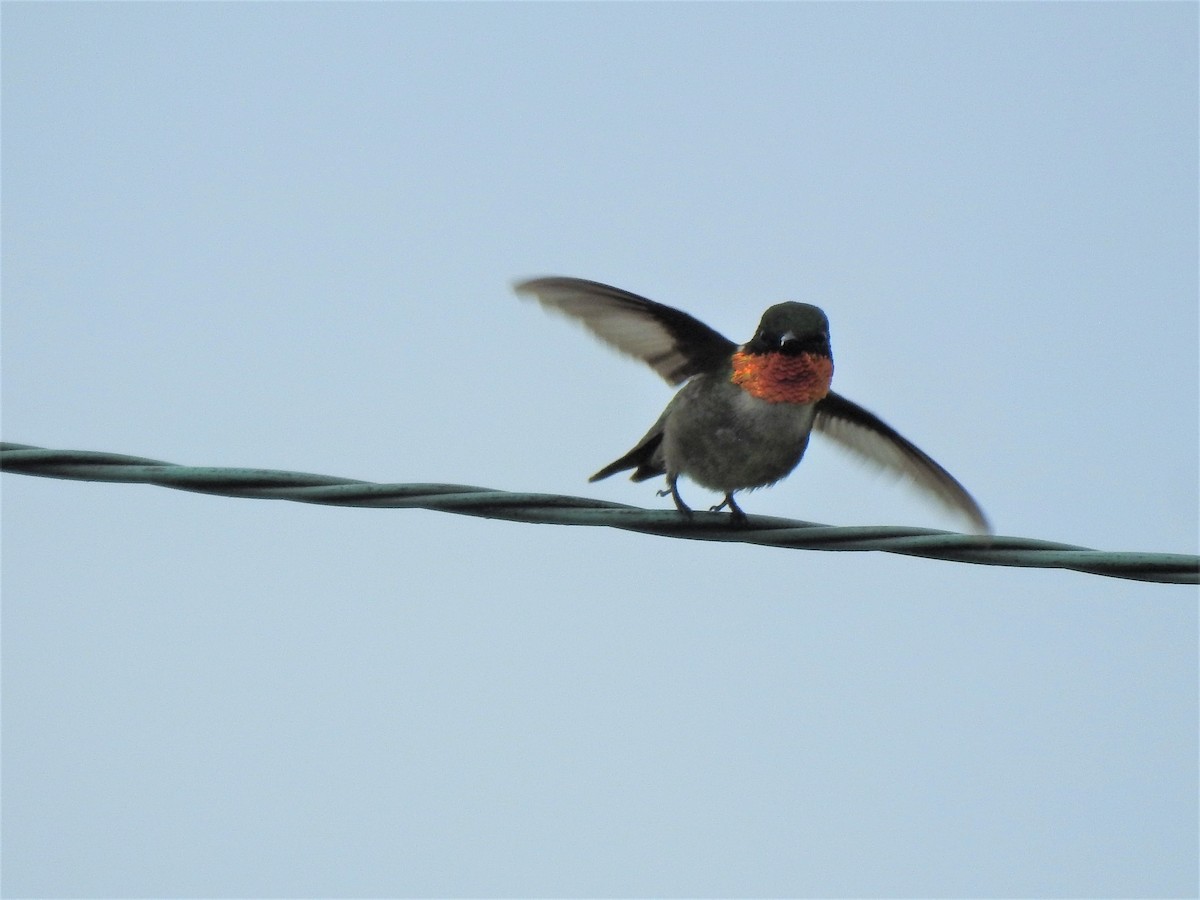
<point x="866" y="435"/>
<point x="671" y="342"/>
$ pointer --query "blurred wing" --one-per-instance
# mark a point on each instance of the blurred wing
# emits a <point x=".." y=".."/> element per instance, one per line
<point x="871" y="439"/>
<point x="671" y="342"/>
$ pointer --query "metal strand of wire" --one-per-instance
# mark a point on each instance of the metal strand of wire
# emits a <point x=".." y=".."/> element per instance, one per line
<point x="271" y="484"/>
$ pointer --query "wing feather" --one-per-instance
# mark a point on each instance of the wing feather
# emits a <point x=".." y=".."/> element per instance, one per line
<point x="674" y="344"/>
<point x="867" y="436"/>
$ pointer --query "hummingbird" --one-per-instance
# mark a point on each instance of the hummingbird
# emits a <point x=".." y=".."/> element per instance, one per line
<point x="744" y="415"/>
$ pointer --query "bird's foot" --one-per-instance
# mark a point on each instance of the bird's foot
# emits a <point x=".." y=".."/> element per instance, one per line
<point x="735" y="512"/>
<point x="672" y="490"/>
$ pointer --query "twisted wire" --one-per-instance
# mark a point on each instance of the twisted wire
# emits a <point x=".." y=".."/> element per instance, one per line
<point x="301" y="487"/>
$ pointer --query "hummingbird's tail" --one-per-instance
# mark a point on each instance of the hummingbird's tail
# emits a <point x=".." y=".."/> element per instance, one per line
<point x="644" y="459"/>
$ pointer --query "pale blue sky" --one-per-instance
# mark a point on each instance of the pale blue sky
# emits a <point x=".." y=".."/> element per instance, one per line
<point x="283" y="235"/>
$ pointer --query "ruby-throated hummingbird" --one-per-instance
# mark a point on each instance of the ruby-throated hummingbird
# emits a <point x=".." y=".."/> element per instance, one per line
<point x="743" y="418"/>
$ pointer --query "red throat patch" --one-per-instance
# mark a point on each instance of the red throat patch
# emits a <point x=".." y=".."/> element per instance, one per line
<point x="778" y="378"/>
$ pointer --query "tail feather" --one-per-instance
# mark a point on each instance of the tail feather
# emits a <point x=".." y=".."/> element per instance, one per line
<point x="640" y="459"/>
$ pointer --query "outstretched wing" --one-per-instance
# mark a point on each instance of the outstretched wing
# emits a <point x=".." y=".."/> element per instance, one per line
<point x="871" y="439"/>
<point x="671" y="342"/>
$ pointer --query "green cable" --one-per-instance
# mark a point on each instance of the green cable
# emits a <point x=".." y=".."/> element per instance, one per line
<point x="555" y="509"/>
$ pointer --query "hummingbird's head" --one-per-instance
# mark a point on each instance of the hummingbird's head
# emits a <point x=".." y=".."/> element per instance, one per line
<point x="788" y="360"/>
<point x="791" y="329"/>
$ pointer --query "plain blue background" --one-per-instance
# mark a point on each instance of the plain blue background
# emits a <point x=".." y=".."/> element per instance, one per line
<point x="283" y="236"/>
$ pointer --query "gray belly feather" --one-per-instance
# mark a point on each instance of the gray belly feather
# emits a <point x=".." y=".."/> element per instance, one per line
<point x="724" y="439"/>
